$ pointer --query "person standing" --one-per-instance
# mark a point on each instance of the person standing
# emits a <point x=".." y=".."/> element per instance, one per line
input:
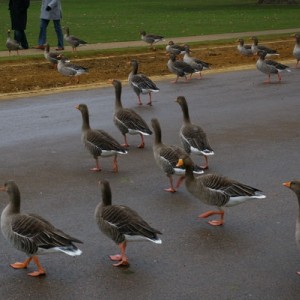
<point x="18" y="17"/>
<point x="50" y="10"/>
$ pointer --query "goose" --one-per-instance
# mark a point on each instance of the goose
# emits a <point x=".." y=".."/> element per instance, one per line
<point x="65" y="68"/>
<point x="244" y="49"/>
<point x="151" y="38"/>
<point x="98" y="142"/>
<point x="11" y="44"/>
<point x="166" y="157"/>
<point x="295" y="187"/>
<point x="52" y="57"/>
<point x="180" y="68"/>
<point x="175" y="49"/>
<point x="72" y="40"/>
<point x="296" y="50"/>
<point x="216" y="190"/>
<point x="193" y="137"/>
<point x="122" y="224"/>
<point x="269" y="66"/>
<point x="140" y="83"/>
<point x="32" y="234"/>
<point x="127" y="120"/>
<point x="197" y="64"/>
<point x="255" y="48"/>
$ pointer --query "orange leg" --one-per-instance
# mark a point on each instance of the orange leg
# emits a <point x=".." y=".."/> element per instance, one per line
<point x="21" y="265"/>
<point x="142" y="144"/>
<point x="214" y="222"/>
<point x="125" y="142"/>
<point x="97" y="168"/>
<point x="139" y="100"/>
<point x="150" y="100"/>
<point x="115" y="164"/>
<point x="205" y="167"/>
<point x="122" y="258"/>
<point x="171" y="188"/>
<point x="179" y="181"/>
<point x="40" y="270"/>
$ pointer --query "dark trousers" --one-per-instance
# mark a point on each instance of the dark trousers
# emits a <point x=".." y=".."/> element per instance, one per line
<point x="20" y="37"/>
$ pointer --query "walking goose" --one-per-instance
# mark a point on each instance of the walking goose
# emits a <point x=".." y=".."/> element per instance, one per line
<point x="217" y="190"/>
<point x="98" y="142"/>
<point x="31" y="233"/>
<point x="193" y="137"/>
<point x="140" y="83"/>
<point x="244" y="49"/>
<point x="151" y="38"/>
<point x="11" y="44"/>
<point x="295" y="187"/>
<point x="197" y="64"/>
<point x="122" y="224"/>
<point x="72" y="40"/>
<point x="180" y="68"/>
<point x="269" y="66"/>
<point x="127" y="120"/>
<point x="175" y="49"/>
<point x="52" y="57"/>
<point x="296" y="50"/>
<point x="65" y="68"/>
<point x="166" y="157"/>
<point x="255" y="48"/>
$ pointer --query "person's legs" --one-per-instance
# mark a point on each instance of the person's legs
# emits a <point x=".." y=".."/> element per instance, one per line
<point x="20" y="37"/>
<point x="43" y="32"/>
<point x="60" y="37"/>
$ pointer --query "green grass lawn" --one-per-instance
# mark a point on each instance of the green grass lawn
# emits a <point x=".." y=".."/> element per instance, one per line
<point x="122" y="20"/>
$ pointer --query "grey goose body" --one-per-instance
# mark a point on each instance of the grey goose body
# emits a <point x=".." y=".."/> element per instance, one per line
<point x="193" y="137"/>
<point x="31" y="233"/>
<point x="127" y="120"/>
<point x="197" y="64"/>
<point x="98" y="142"/>
<point x="151" y="38"/>
<point x="122" y="224"/>
<point x="52" y="57"/>
<point x="11" y="44"/>
<point x="179" y="68"/>
<point x="66" y="68"/>
<point x="294" y="185"/>
<point x="166" y="157"/>
<point x="269" y="66"/>
<point x="140" y="83"/>
<point x="73" y="40"/>
<point x="243" y="49"/>
<point x="216" y="190"/>
<point x="175" y="49"/>
<point x="296" y="49"/>
<point x="255" y="47"/>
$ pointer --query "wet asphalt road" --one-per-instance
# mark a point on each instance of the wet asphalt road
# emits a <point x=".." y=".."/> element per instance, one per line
<point x="254" y="130"/>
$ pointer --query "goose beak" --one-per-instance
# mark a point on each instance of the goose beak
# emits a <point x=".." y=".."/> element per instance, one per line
<point x="77" y="106"/>
<point x="179" y="163"/>
<point x="2" y="189"/>
<point x="287" y="184"/>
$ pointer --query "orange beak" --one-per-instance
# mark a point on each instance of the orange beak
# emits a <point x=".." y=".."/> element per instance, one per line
<point x="179" y="163"/>
<point x="287" y="184"/>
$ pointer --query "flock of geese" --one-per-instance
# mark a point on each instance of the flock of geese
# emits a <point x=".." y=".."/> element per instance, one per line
<point x="34" y="235"/>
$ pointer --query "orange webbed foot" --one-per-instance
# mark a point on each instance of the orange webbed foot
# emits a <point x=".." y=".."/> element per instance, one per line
<point x="37" y="273"/>
<point x="216" y="222"/>
<point x="141" y="146"/>
<point x="95" y="169"/>
<point x="19" y="265"/>
<point x="170" y="190"/>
